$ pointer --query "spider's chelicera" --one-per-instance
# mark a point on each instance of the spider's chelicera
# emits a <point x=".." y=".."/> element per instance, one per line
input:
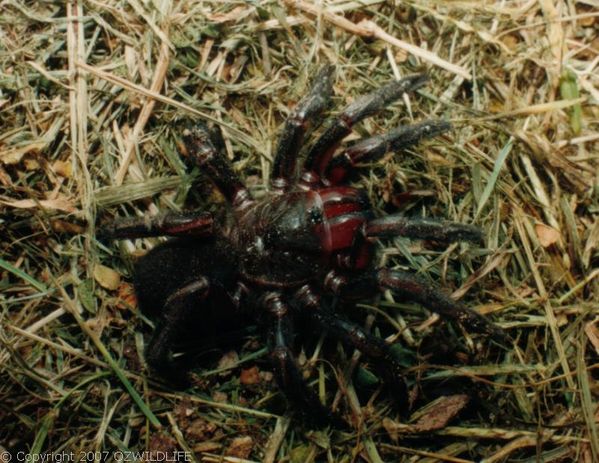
<point x="310" y="234"/>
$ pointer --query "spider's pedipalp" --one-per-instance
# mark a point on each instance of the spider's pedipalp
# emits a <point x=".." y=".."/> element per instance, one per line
<point x="188" y="223"/>
<point x="373" y="148"/>
<point x="423" y="229"/>
<point x="290" y="142"/>
<point x="323" y="149"/>
<point x="205" y="153"/>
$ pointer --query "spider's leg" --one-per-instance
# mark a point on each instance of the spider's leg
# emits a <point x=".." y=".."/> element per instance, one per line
<point x="372" y="347"/>
<point x="290" y="142"/>
<point x="189" y="223"/>
<point x="431" y="297"/>
<point x="287" y="372"/>
<point x="416" y="289"/>
<point x="373" y="148"/>
<point x="202" y="151"/>
<point x="176" y="312"/>
<point x="323" y="149"/>
<point x="422" y="228"/>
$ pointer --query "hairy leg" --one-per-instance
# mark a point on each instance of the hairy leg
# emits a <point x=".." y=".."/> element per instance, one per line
<point x="191" y="223"/>
<point x="372" y="347"/>
<point x="204" y="152"/>
<point x="287" y="372"/>
<point x="292" y="137"/>
<point x="373" y="148"/>
<point x="323" y="149"/>
<point x="431" y="297"/>
<point x="175" y="314"/>
<point x="416" y="289"/>
<point x="422" y="228"/>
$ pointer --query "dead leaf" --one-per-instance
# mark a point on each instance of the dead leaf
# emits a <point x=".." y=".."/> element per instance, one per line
<point x="14" y="155"/>
<point x="161" y="442"/>
<point x="207" y="447"/>
<point x="391" y="427"/>
<point x="591" y="244"/>
<point x="250" y="376"/>
<point x="126" y="295"/>
<point x="593" y="333"/>
<point x="438" y="413"/>
<point x="106" y="277"/>
<point x="228" y="361"/>
<point x="219" y="396"/>
<point x="200" y="430"/>
<point x="236" y="14"/>
<point x="547" y="235"/>
<point x="59" y="204"/>
<point x="31" y="164"/>
<point x="62" y="226"/>
<point x="62" y="168"/>
<point x="240" y="447"/>
<point x="510" y="41"/>
<point x="183" y="410"/>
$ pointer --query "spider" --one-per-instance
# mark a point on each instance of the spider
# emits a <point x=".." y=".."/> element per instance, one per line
<point x="310" y="234"/>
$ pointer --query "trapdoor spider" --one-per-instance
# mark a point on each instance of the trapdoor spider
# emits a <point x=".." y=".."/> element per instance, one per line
<point x="310" y="234"/>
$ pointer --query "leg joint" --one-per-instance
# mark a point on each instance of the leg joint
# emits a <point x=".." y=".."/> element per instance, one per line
<point x="275" y="305"/>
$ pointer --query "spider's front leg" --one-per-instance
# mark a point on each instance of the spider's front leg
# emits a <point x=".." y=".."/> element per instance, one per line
<point x="372" y="347"/>
<point x="418" y="289"/>
<point x="373" y="148"/>
<point x="309" y="108"/>
<point x="323" y="149"/>
<point x="287" y="372"/>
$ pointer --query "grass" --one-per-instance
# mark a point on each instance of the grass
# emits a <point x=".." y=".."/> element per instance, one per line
<point x="93" y="98"/>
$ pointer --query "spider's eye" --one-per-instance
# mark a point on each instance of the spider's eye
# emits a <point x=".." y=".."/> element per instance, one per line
<point x="315" y="216"/>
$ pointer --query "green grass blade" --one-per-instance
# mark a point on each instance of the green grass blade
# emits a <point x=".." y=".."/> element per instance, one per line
<point x="24" y="276"/>
<point x="499" y="162"/>
<point x="118" y="371"/>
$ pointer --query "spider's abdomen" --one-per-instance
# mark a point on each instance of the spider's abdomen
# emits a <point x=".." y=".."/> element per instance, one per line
<point x="287" y="239"/>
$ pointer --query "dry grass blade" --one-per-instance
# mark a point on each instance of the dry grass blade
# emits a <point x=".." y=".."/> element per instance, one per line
<point x="371" y="30"/>
<point x="145" y="113"/>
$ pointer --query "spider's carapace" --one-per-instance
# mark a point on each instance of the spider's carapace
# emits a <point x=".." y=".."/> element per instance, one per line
<point x="292" y="238"/>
